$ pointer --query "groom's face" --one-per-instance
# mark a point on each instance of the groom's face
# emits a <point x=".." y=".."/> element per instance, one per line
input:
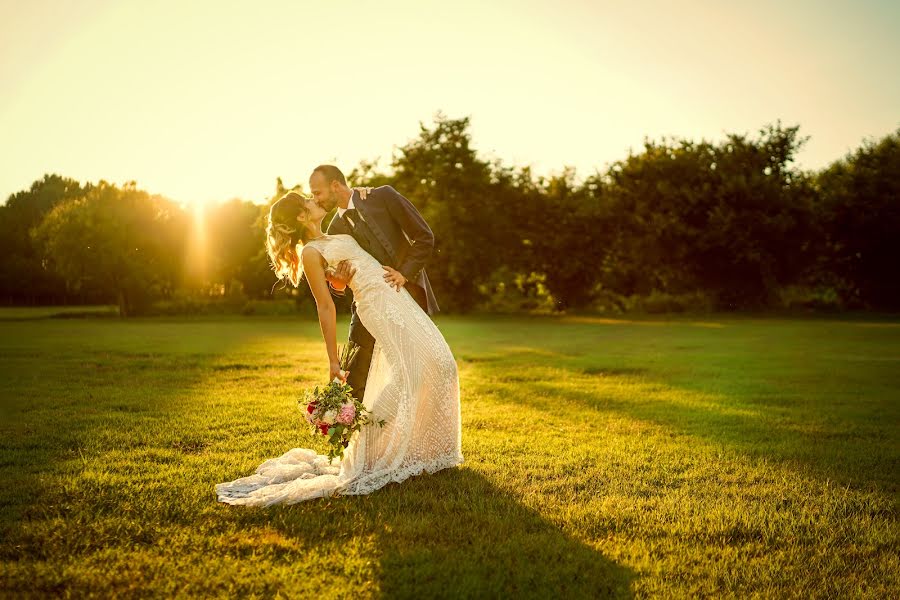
<point x="322" y="191"/>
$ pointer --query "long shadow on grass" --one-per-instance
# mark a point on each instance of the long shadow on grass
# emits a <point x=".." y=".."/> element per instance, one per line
<point x="852" y="444"/>
<point x="849" y="448"/>
<point x="456" y="534"/>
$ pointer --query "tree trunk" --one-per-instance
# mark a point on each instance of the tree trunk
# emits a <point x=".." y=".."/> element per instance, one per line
<point x="123" y="304"/>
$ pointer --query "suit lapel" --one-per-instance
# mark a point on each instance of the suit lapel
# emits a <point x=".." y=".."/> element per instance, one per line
<point x="338" y="223"/>
<point x="355" y="201"/>
<point x="362" y="208"/>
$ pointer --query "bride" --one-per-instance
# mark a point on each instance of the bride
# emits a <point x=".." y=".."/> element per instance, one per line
<point x="412" y="384"/>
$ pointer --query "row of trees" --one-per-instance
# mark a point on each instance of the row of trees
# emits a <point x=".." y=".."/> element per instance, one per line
<point x="734" y="221"/>
<point x="730" y="224"/>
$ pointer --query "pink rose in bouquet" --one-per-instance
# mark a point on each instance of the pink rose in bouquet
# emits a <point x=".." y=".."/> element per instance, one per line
<point x="333" y="412"/>
<point x="348" y="412"/>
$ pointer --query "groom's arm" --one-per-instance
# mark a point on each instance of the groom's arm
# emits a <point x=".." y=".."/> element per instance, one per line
<point x="416" y="229"/>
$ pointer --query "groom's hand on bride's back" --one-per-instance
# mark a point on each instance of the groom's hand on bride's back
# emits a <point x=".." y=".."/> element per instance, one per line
<point x="393" y="277"/>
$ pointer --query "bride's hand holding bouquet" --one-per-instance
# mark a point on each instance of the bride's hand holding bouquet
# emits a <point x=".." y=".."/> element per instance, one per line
<point x="332" y="411"/>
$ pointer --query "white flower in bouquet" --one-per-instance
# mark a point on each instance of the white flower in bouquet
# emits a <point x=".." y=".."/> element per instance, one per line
<point x="333" y="412"/>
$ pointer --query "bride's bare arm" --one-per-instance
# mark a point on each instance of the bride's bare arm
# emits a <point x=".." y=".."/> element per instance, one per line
<point x="314" y="269"/>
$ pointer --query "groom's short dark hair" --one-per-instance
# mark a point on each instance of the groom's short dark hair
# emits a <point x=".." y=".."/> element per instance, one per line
<point x="331" y="173"/>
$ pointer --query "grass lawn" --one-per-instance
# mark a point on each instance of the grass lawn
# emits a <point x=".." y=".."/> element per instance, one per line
<point x="22" y="313"/>
<point x="729" y="456"/>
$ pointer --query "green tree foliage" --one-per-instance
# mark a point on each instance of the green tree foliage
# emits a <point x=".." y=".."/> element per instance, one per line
<point x="569" y="234"/>
<point x="859" y="208"/>
<point x="22" y="278"/>
<point x="441" y="173"/>
<point x="120" y="239"/>
<point x="494" y="226"/>
<point x="725" y="224"/>
<point x="735" y="219"/>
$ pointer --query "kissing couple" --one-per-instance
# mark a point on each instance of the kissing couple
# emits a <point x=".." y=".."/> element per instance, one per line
<point x="378" y="245"/>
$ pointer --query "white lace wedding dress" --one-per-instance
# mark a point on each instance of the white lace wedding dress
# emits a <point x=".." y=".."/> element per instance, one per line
<point x="412" y="384"/>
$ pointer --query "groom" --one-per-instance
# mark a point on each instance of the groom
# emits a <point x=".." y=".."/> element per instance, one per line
<point x="387" y="226"/>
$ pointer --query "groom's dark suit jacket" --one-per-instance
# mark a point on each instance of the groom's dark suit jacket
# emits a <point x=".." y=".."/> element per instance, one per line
<point x="393" y="231"/>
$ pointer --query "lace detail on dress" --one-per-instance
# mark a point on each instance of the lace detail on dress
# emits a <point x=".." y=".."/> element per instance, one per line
<point x="393" y="313"/>
<point x="413" y="384"/>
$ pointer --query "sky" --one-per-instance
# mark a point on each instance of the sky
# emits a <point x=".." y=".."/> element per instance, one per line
<point x="208" y="101"/>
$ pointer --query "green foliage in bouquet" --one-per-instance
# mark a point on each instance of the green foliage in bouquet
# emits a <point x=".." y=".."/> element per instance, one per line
<point x="333" y="412"/>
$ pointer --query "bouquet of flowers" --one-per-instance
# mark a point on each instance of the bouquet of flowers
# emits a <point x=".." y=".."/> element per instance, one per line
<point x="333" y="412"/>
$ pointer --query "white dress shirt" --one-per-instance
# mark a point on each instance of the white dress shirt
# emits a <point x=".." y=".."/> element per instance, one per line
<point x="349" y="205"/>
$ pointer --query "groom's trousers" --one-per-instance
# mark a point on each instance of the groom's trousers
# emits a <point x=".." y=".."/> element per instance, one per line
<point x="359" y="368"/>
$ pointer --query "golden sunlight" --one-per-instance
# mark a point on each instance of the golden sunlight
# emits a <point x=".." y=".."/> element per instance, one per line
<point x="196" y="257"/>
<point x="216" y="101"/>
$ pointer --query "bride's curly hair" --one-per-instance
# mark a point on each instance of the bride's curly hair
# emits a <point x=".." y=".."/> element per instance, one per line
<point x="283" y="236"/>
